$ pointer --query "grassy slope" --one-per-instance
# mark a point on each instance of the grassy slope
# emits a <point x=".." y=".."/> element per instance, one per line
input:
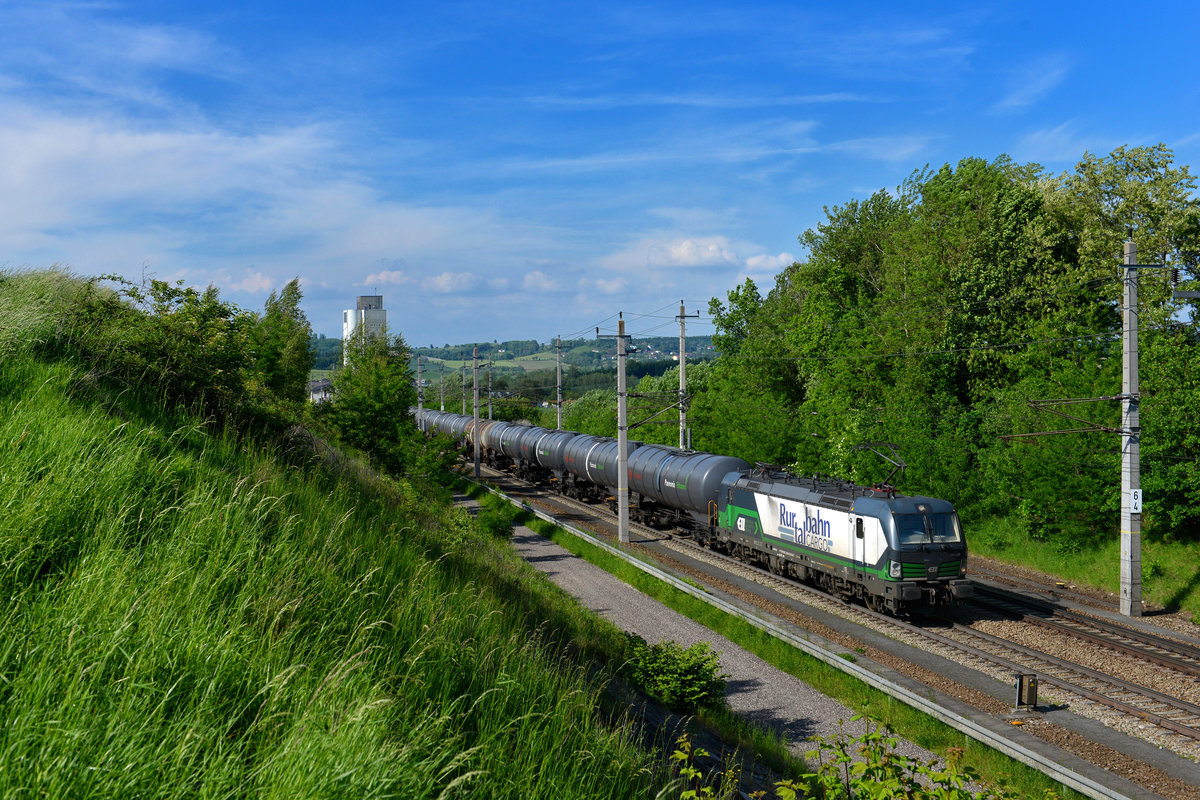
<point x="185" y="614"/>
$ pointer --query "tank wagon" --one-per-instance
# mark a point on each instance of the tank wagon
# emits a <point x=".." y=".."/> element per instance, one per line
<point x="892" y="552"/>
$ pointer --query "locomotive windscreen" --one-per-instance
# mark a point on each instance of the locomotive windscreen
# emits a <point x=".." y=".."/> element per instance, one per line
<point x="927" y="528"/>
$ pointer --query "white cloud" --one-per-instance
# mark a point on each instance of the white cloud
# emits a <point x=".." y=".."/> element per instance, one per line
<point x="604" y="286"/>
<point x="720" y="101"/>
<point x="1186" y="140"/>
<point x="395" y="276"/>
<point x="653" y="255"/>
<point x="750" y="141"/>
<point x="692" y="252"/>
<point x="1059" y="144"/>
<point x="773" y="264"/>
<point x="254" y="283"/>
<point x="108" y="194"/>
<point x="1033" y="82"/>
<point x="60" y="170"/>
<point x="883" y="148"/>
<point x="448" y="282"/>
<point x="931" y="51"/>
<point x="694" y="266"/>
<point x="538" y="281"/>
<point x="83" y="46"/>
<point x="662" y="252"/>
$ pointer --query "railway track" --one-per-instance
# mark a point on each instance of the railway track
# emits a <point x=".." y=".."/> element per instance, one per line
<point x="1168" y="720"/>
<point x="1033" y="588"/>
<point x="1174" y="716"/>
<point x="1178" y="719"/>
<point x="1161" y="650"/>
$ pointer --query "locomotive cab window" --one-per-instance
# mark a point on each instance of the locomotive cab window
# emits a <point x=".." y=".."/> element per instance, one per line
<point x="927" y="528"/>
<point x="858" y="528"/>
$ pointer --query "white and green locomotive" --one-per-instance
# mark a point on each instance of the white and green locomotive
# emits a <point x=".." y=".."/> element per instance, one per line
<point x="893" y="552"/>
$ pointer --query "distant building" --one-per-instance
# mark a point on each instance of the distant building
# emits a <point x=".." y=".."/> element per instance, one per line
<point x="369" y="314"/>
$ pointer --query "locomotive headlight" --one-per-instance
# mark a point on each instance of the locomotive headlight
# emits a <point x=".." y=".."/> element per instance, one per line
<point x="894" y="569"/>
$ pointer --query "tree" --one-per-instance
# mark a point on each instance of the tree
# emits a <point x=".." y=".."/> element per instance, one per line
<point x="373" y="395"/>
<point x="930" y="318"/>
<point x="283" y="352"/>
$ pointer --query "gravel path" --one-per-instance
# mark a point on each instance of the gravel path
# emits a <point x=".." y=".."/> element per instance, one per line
<point x="756" y="690"/>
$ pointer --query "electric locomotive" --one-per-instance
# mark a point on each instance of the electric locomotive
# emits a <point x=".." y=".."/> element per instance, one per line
<point x="892" y="552"/>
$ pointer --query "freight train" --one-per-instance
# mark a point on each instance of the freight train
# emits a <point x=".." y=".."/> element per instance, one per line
<point x="894" y="553"/>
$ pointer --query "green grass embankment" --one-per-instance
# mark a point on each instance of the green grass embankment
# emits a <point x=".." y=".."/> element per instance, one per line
<point x="187" y="613"/>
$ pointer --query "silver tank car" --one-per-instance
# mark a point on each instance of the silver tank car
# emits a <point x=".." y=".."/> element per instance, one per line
<point x="457" y="426"/>
<point x="509" y="440"/>
<point x="437" y="421"/>
<point x="682" y="479"/>
<point x="600" y="464"/>
<point x="528" y="441"/>
<point x="575" y="453"/>
<point x="552" y="449"/>
<point x="490" y="436"/>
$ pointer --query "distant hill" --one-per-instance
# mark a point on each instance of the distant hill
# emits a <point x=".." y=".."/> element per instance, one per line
<point x="530" y="355"/>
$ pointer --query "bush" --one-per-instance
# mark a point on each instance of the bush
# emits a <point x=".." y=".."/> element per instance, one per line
<point x="686" y="679"/>
<point x="848" y="767"/>
<point x="497" y="522"/>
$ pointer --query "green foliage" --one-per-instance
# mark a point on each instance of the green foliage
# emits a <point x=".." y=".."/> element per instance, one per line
<point x="686" y="679"/>
<point x="930" y="317"/>
<point x="496" y="519"/>
<point x="283" y="354"/>
<point x="594" y="413"/>
<point x="696" y="784"/>
<point x="866" y="767"/>
<point x="183" y="613"/>
<point x="371" y="406"/>
<point x="189" y="345"/>
<point x="183" y="345"/>
<point x="327" y="353"/>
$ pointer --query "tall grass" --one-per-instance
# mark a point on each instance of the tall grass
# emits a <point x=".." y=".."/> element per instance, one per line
<point x="1170" y="569"/>
<point x="184" y="614"/>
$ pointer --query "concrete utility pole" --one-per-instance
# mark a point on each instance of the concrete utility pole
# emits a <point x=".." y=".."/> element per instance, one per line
<point x="683" y="437"/>
<point x="622" y="435"/>
<point x="622" y="440"/>
<point x="475" y="429"/>
<point x="1131" y="486"/>
<point x="489" y="388"/>
<point x="1130" y="430"/>
<point x="420" y="398"/>
<point x="558" y="401"/>
<point x="442" y="386"/>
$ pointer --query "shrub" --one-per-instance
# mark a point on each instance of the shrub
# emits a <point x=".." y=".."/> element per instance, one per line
<point x="685" y="679"/>
<point x="849" y="767"/>
<point x="497" y="522"/>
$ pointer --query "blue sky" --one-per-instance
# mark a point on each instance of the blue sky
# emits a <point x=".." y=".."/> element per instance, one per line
<point x="522" y="170"/>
